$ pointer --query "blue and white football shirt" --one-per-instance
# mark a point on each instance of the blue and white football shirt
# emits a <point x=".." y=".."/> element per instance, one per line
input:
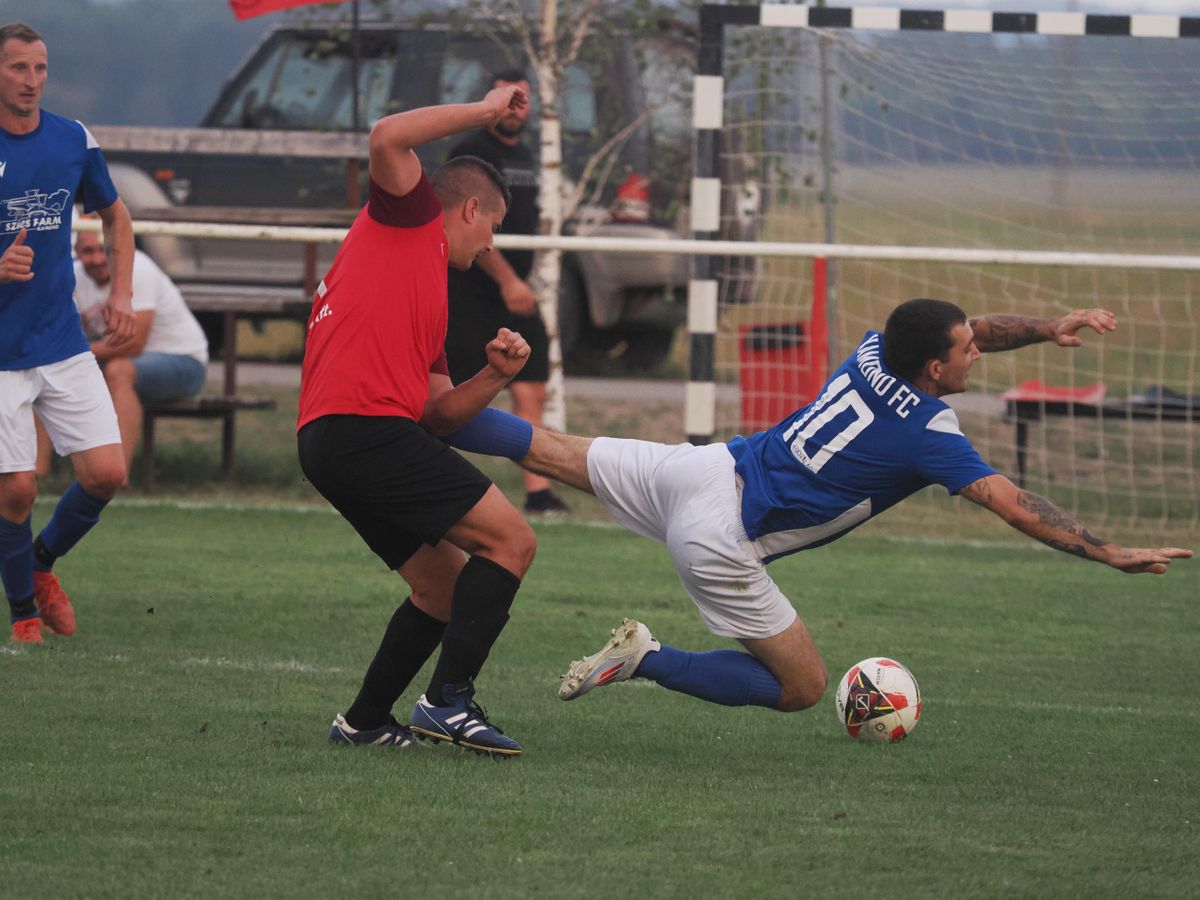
<point x="41" y="173"/>
<point x="868" y="441"/>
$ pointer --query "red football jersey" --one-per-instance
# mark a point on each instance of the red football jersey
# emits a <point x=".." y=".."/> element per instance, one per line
<point x="378" y="323"/>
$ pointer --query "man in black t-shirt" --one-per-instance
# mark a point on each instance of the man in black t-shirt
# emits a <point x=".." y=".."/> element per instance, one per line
<point x="495" y="293"/>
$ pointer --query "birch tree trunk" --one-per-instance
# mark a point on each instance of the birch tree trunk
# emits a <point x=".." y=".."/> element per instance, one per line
<point x="548" y="267"/>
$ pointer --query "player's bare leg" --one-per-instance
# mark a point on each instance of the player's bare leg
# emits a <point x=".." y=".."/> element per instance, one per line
<point x="121" y="377"/>
<point x="494" y="530"/>
<point x="101" y="471"/>
<point x="562" y="457"/>
<point x="45" y="449"/>
<point x="529" y="400"/>
<point x="430" y="574"/>
<point x="794" y="660"/>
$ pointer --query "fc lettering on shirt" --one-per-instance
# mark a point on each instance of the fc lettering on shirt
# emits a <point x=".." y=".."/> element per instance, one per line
<point x="881" y="382"/>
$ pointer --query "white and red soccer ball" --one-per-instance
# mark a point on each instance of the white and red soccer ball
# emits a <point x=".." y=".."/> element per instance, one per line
<point x="878" y="700"/>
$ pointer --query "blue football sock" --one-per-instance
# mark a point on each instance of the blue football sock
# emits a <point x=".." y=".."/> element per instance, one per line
<point x="718" y="676"/>
<point x="76" y="513"/>
<point x="495" y="433"/>
<point x="16" y="567"/>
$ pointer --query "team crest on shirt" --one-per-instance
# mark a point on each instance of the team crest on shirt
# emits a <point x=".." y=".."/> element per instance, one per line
<point x="35" y="210"/>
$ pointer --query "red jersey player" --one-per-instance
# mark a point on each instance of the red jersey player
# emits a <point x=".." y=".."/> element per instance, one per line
<point x="375" y="397"/>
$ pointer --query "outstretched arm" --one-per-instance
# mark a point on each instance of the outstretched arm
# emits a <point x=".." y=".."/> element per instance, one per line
<point x="1007" y="332"/>
<point x="393" y="164"/>
<point x="1039" y="518"/>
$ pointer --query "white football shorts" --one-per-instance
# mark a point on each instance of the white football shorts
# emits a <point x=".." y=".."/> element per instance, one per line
<point x="687" y="497"/>
<point x="72" y="401"/>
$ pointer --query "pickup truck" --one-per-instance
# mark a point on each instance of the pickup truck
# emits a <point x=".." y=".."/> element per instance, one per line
<point x="298" y="82"/>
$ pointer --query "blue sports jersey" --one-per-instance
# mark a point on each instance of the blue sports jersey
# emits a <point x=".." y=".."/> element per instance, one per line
<point x="40" y="175"/>
<point x="868" y="441"/>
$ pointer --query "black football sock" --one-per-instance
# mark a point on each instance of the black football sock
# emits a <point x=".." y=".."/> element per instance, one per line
<point x="410" y="639"/>
<point x="483" y="595"/>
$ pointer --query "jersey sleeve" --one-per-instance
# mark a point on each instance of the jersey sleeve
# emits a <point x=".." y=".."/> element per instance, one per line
<point x="96" y="189"/>
<point x="418" y="207"/>
<point x="440" y="366"/>
<point x="947" y="457"/>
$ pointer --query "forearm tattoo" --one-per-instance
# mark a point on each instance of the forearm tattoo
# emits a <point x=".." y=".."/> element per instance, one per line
<point x="1054" y="518"/>
<point x="978" y="492"/>
<point x="1004" y="332"/>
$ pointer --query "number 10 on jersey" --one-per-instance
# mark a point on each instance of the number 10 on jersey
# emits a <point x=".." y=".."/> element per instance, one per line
<point x="835" y="400"/>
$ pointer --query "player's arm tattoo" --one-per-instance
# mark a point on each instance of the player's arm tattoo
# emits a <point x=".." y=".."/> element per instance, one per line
<point x="1060" y="528"/>
<point x="978" y="492"/>
<point x="1040" y="519"/>
<point x="1005" y="332"/>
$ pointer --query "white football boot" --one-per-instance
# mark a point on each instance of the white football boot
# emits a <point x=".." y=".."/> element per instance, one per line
<point x="615" y="661"/>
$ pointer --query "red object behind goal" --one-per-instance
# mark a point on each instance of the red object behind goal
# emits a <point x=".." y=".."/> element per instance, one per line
<point x="782" y="365"/>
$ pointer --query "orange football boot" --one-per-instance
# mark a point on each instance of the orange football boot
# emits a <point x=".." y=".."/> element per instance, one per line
<point x="27" y="631"/>
<point x="54" y="606"/>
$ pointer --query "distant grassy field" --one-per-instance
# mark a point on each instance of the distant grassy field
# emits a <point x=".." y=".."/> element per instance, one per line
<point x="175" y="747"/>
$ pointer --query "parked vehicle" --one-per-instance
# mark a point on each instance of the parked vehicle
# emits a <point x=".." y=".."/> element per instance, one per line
<point x="300" y="79"/>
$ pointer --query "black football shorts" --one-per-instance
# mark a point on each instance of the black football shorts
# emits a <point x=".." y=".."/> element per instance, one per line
<point x="398" y="485"/>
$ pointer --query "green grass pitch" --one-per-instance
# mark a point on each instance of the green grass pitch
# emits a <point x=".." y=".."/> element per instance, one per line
<point x="175" y="747"/>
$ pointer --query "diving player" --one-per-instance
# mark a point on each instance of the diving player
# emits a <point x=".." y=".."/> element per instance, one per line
<point x="878" y="432"/>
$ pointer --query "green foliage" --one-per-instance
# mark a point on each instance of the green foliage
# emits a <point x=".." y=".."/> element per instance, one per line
<point x="176" y="745"/>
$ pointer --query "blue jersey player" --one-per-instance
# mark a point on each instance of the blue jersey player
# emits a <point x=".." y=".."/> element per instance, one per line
<point x="47" y="164"/>
<point x="878" y="432"/>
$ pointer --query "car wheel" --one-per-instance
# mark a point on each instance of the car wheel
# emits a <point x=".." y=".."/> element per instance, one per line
<point x="647" y="348"/>
<point x="573" y="320"/>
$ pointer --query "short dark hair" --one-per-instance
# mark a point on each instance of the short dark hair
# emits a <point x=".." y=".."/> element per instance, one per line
<point x="469" y="176"/>
<point x="21" y="32"/>
<point x="918" y="331"/>
<point x="509" y="75"/>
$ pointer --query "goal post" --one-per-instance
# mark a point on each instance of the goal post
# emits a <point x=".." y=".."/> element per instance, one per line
<point x="1063" y="133"/>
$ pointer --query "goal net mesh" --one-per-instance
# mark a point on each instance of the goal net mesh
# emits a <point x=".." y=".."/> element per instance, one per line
<point x="977" y="141"/>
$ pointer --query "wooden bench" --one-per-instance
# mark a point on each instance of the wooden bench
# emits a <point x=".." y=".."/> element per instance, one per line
<point x="223" y="407"/>
<point x="232" y="301"/>
<point x="1033" y="401"/>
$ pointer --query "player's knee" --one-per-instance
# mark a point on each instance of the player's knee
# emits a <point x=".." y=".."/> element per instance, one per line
<point x="806" y="693"/>
<point x="104" y="481"/>
<point x="16" y="498"/>
<point x="520" y="547"/>
<point x="435" y="602"/>
<point x="120" y="372"/>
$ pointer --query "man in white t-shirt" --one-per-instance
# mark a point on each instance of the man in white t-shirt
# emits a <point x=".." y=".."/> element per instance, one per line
<point x="168" y="355"/>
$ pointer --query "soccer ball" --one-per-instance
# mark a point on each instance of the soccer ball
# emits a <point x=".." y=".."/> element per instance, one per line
<point x="878" y="700"/>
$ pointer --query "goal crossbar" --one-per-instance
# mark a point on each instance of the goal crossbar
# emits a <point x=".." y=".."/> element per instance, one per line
<point x="688" y="247"/>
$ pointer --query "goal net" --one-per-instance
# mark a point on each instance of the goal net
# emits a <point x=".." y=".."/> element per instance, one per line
<point x="984" y="140"/>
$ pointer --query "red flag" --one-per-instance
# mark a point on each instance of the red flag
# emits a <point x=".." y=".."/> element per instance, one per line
<point x="245" y="9"/>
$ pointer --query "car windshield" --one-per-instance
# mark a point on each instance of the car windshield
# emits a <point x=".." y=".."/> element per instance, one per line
<point x="303" y="82"/>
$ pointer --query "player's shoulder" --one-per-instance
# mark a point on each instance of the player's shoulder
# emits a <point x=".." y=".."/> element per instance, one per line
<point x="71" y="131"/>
<point x="416" y="209"/>
<point x="942" y="420"/>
